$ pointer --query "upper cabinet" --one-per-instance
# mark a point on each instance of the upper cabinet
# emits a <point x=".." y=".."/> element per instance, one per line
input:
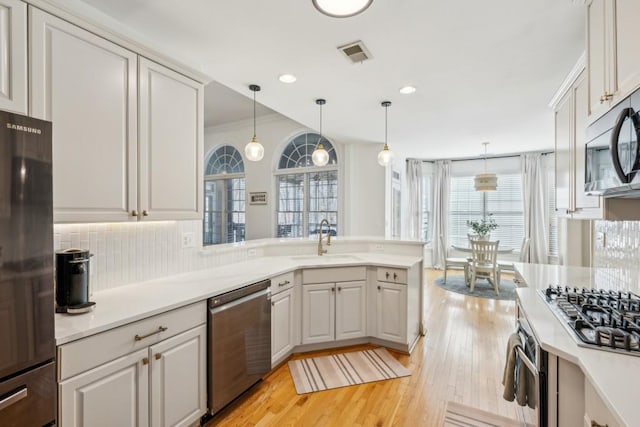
<point x="127" y="132"/>
<point x="612" y="61"/>
<point x="13" y="51"/>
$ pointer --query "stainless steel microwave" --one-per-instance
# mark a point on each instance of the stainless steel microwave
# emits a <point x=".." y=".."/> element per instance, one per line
<point x="612" y="158"/>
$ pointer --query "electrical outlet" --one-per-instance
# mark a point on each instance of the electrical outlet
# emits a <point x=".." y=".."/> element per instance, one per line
<point x="601" y="240"/>
<point x="188" y="240"/>
<point x="378" y="247"/>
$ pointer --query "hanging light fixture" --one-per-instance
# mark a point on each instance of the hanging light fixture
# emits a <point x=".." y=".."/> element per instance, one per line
<point x="485" y="181"/>
<point x="385" y="156"/>
<point x="320" y="156"/>
<point x="254" y="150"/>
<point x="342" y="8"/>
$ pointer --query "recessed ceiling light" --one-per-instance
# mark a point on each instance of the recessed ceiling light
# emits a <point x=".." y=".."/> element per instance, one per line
<point x="287" y="78"/>
<point x="341" y="8"/>
<point x="406" y="90"/>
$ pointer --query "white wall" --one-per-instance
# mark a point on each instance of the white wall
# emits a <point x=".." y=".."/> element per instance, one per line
<point x="362" y="195"/>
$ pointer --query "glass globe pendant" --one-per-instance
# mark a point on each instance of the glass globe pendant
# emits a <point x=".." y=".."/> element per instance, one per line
<point x="320" y="156"/>
<point x="385" y="156"/>
<point x="254" y="151"/>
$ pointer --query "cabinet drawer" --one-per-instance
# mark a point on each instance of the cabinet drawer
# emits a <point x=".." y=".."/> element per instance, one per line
<point x="87" y="353"/>
<point x="392" y="275"/>
<point x="335" y="274"/>
<point x="281" y="282"/>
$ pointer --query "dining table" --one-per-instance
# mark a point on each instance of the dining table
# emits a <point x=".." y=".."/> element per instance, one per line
<point x="468" y="249"/>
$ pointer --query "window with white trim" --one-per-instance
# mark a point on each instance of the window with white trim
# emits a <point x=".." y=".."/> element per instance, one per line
<point x="224" y="197"/>
<point x="306" y="194"/>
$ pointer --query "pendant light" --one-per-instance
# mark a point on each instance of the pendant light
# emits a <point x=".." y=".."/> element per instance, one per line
<point x="385" y="156"/>
<point x="342" y="8"/>
<point x="320" y="156"/>
<point x="485" y="181"/>
<point x="254" y="150"/>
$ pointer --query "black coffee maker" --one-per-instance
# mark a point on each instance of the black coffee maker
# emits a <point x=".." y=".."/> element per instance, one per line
<point x="72" y="281"/>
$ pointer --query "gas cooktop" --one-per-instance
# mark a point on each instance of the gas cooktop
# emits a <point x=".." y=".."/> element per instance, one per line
<point x="597" y="318"/>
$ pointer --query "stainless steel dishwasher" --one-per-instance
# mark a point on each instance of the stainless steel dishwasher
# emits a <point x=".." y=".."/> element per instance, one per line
<point x="239" y="342"/>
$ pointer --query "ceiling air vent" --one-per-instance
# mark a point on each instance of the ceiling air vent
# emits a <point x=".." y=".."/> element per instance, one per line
<point x="356" y="52"/>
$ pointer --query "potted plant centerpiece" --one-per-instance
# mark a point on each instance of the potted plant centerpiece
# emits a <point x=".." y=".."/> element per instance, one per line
<point x="483" y="227"/>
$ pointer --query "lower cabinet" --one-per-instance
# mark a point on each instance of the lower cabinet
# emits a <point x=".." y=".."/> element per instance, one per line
<point x="333" y="311"/>
<point x="391" y="312"/>
<point x="160" y="383"/>
<point x="596" y="412"/>
<point x="281" y="325"/>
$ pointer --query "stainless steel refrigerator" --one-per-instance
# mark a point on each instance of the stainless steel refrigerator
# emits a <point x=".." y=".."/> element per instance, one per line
<point x="27" y="344"/>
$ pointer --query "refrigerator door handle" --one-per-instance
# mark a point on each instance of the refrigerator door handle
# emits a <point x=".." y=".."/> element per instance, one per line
<point x="13" y="398"/>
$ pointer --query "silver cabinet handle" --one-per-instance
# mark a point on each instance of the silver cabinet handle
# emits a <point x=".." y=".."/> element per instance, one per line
<point x="14" y="398"/>
<point x="285" y="283"/>
<point x="141" y="337"/>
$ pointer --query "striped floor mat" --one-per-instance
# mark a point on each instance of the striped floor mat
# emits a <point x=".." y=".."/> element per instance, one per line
<point x="341" y="370"/>
<point x="458" y="415"/>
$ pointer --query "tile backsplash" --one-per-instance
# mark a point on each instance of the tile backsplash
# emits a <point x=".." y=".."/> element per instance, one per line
<point x="617" y="249"/>
<point x="126" y="253"/>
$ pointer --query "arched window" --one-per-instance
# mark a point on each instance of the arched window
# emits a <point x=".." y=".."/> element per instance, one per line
<point x="307" y="194"/>
<point x="224" y="197"/>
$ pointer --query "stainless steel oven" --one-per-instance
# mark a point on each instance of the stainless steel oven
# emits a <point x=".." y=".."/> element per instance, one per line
<point x="536" y="360"/>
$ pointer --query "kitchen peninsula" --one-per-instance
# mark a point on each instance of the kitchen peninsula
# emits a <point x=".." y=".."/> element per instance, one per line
<point x="163" y="321"/>
<point x="596" y="385"/>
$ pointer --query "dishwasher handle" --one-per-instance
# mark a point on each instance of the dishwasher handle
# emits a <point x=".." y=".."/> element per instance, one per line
<point x="231" y="304"/>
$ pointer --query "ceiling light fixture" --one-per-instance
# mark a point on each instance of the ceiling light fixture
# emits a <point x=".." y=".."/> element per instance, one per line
<point x="320" y="156"/>
<point x="342" y="8"/>
<point x="385" y="156"/>
<point x="485" y="181"/>
<point x="254" y="150"/>
<point x="287" y="78"/>
<point x="406" y="90"/>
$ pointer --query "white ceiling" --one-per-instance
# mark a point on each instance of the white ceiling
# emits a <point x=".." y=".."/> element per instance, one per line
<point x="223" y="105"/>
<point x="485" y="70"/>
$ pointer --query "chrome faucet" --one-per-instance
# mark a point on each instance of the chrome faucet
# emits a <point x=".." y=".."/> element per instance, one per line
<point x="320" y="248"/>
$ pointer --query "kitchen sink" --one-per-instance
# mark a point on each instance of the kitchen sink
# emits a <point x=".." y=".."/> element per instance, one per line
<point x="326" y="257"/>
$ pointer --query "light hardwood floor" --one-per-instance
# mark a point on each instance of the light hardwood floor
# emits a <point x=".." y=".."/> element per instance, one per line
<point x="460" y="359"/>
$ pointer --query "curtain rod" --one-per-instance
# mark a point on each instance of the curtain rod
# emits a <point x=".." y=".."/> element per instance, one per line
<point x="495" y="156"/>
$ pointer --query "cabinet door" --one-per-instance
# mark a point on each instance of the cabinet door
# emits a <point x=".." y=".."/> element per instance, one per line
<point x="392" y="312"/>
<point x="13" y="50"/>
<point x="627" y="34"/>
<point x="351" y="312"/>
<point x="597" y="58"/>
<point x="86" y="86"/>
<point x="563" y="149"/>
<point x="171" y="140"/>
<point x="580" y="115"/>
<point x="179" y="379"/>
<point x="281" y="325"/>
<point x="114" y="394"/>
<point x="318" y="313"/>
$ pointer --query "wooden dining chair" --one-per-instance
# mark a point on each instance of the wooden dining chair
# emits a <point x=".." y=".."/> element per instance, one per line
<point x="507" y="266"/>
<point x="484" y="263"/>
<point x="453" y="263"/>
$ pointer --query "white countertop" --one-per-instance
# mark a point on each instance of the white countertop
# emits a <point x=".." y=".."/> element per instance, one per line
<point x="126" y="304"/>
<point x="614" y="376"/>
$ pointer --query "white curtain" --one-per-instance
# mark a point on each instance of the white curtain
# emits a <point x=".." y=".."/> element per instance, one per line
<point x="439" y="225"/>
<point x="414" y="184"/>
<point x="535" y="214"/>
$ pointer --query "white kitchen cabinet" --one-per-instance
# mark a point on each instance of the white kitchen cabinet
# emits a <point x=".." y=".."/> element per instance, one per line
<point x="148" y="373"/>
<point x="282" y="321"/>
<point x="13" y="50"/>
<point x="612" y="61"/>
<point x="351" y="310"/>
<point x="563" y="151"/>
<point x="179" y="379"/>
<point x="318" y="312"/>
<point x="113" y="394"/>
<point x="596" y="412"/>
<point x="121" y="122"/>
<point x="171" y="139"/>
<point x="391" y="312"/>
<point x="87" y="87"/>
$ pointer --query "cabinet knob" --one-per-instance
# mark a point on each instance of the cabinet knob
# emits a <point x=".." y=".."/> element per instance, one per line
<point x="387" y="274"/>
<point x="145" y="361"/>
<point x="134" y="213"/>
<point x="339" y="288"/>
<point x="379" y="288"/>
<point x="333" y="289"/>
<point x="395" y="276"/>
<point x="145" y="213"/>
<point x="158" y="356"/>
<point x="595" y="424"/>
<point x="273" y="304"/>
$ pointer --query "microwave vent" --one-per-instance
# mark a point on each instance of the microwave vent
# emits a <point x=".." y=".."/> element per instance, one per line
<point x="356" y="52"/>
